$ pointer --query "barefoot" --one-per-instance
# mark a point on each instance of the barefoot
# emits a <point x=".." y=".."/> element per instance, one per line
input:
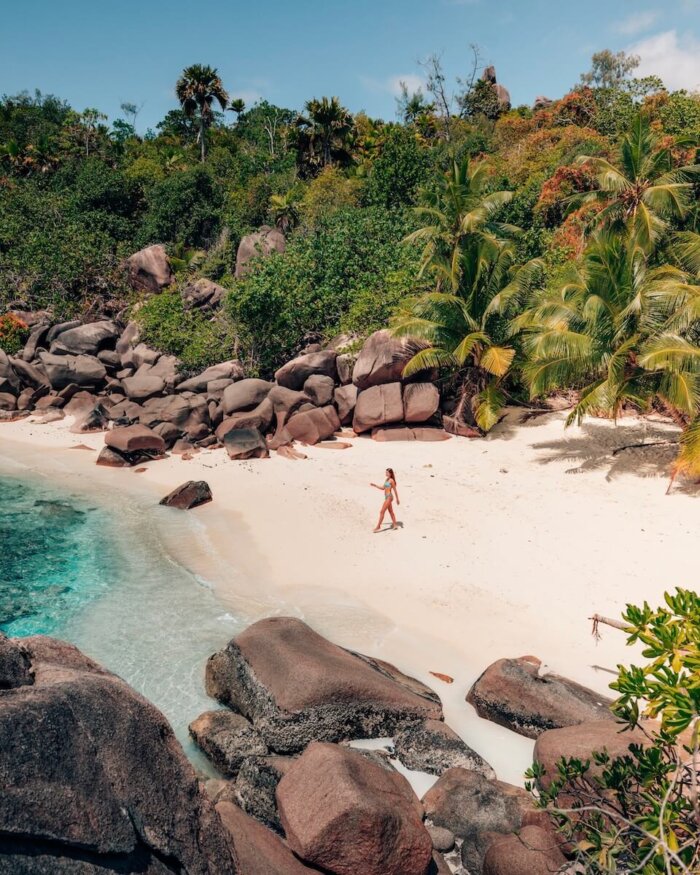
<point x="378" y="529"/>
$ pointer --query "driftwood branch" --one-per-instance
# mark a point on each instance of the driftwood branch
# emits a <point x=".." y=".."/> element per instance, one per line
<point x="598" y="619"/>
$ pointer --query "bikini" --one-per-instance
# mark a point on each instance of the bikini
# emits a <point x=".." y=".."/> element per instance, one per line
<point x="387" y="489"/>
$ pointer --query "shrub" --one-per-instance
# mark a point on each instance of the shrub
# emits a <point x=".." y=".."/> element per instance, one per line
<point x="183" y="208"/>
<point x="13" y="333"/>
<point x="344" y="274"/>
<point x="195" y="338"/>
<point x="641" y="812"/>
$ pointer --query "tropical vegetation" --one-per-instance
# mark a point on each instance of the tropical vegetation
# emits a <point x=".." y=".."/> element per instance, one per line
<point x="640" y="812"/>
<point x="529" y="250"/>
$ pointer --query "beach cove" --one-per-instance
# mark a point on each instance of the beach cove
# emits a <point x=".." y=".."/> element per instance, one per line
<point x="508" y="545"/>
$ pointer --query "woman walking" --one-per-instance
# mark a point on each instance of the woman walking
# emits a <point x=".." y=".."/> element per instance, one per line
<point x="389" y="489"/>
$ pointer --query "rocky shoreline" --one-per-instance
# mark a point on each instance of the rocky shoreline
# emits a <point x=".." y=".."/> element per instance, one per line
<point x="95" y="780"/>
<point x="100" y="373"/>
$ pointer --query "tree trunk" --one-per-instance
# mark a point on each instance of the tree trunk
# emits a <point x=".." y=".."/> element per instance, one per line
<point x="201" y="136"/>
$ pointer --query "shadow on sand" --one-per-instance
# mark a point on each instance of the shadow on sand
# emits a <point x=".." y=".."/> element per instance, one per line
<point x="645" y="449"/>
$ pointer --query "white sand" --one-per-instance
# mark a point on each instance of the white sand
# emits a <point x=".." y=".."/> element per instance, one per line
<point x="508" y="545"/>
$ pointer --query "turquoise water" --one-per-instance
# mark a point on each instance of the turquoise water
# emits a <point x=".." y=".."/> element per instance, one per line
<point x="97" y="573"/>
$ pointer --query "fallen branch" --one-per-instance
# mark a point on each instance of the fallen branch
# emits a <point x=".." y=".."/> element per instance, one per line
<point x="645" y="444"/>
<point x="598" y="619"/>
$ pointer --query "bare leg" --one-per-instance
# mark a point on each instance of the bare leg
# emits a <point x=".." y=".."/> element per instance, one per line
<point x="381" y="517"/>
<point x="392" y="515"/>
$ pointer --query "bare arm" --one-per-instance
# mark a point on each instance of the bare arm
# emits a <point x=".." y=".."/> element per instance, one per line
<point x="396" y="491"/>
<point x="375" y="486"/>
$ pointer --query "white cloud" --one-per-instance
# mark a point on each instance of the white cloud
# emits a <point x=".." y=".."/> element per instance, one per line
<point x="392" y="84"/>
<point x="411" y="81"/>
<point x="675" y="60"/>
<point x="636" y="23"/>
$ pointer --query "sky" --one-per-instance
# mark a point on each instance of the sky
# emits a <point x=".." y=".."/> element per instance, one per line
<point x="100" y="53"/>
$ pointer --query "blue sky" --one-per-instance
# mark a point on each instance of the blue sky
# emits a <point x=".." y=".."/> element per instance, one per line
<point x="98" y="53"/>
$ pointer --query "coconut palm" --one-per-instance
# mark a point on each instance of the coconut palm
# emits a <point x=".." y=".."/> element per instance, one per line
<point x="641" y="189"/>
<point x="460" y="214"/>
<point x="471" y="256"/>
<point x="463" y="332"/>
<point x="619" y="328"/>
<point x="237" y="105"/>
<point x="197" y="89"/>
<point x="322" y="136"/>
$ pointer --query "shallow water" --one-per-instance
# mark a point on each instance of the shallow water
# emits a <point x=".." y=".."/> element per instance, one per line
<point x="99" y="574"/>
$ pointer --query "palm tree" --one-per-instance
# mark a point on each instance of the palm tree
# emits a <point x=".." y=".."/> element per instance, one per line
<point x="284" y="209"/>
<point x="642" y="189"/>
<point x="197" y="89"/>
<point x="618" y="327"/>
<point x="322" y="135"/>
<point x="472" y="257"/>
<point x="237" y="105"/>
<point x="460" y="214"/>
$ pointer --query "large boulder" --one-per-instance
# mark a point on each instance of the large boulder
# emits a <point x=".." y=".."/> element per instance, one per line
<point x="232" y="370"/>
<point x="245" y="395"/>
<point x="202" y="294"/>
<point x="532" y="852"/>
<point x="94" y="779"/>
<point x="345" y="398"/>
<point x="420" y="401"/>
<point x="130" y="438"/>
<point x="296" y="372"/>
<point x="86" y="339"/>
<point x="296" y="686"/>
<point x="172" y="408"/>
<point x="149" y="269"/>
<point x="258" y="850"/>
<point x="513" y="693"/>
<point x="9" y="381"/>
<point x="15" y="664"/>
<point x="260" y="418"/>
<point x="188" y="495"/>
<point x="30" y="374"/>
<point x="382" y="359"/>
<point x="473" y="808"/>
<point x="260" y="243"/>
<point x="581" y="742"/>
<point x="312" y="426"/>
<point x="140" y="388"/>
<point x="319" y="389"/>
<point x="345" y="814"/>
<point x="227" y="739"/>
<point x="245" y="443"/>
<point x="378" y="405"/>
<point x="35" y="340"/>
<point x="61" y="370"/>
<point x="431" y="746"/>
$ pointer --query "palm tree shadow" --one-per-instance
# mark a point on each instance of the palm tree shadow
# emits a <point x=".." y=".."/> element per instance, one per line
<point x="517" y="418"/>
<point x="644" y="450"/>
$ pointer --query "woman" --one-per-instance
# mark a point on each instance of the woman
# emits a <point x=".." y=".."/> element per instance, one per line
<point x="390" y="491"/>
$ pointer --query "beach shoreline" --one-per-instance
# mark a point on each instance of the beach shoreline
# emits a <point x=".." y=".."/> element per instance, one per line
<point x="508" y="545"/>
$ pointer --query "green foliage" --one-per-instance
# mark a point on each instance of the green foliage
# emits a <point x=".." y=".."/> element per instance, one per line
<point x="400" y="169"/>
<point x="343" y="274"/>
<point x="196" y="339"/>
<point x="641" y="812"/>
<point x="184" y="207"/>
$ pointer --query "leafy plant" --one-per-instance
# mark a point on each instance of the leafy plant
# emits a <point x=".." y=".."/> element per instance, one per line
<point x="641" y="812"/>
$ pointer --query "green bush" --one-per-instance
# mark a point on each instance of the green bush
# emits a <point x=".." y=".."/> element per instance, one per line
<point x="346" y="274"/>
<point x="195" y="338"/>
<point x="184" y="208"/>
<point x="13" y="334"/>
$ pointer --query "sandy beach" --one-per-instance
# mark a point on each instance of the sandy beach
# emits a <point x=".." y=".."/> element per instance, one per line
<point x="507" y="545"/>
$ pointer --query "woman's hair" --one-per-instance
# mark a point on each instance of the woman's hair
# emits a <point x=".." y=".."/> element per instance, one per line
<point x="391" y="474"/>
